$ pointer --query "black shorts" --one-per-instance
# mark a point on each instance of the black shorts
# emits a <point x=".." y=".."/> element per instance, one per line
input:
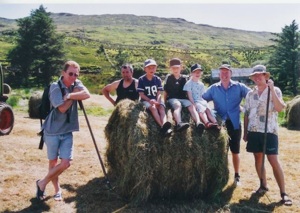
<point x="256" y="142"/>
<point x="234" y="137"/>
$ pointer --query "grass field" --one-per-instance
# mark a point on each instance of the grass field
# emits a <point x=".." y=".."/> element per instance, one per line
<point x="22" y="163"/>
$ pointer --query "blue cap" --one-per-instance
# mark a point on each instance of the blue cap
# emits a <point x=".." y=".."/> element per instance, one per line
<point x="195" y="67"/>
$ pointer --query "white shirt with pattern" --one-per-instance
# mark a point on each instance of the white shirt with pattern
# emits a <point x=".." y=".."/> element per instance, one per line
<point x="255" y="108"/>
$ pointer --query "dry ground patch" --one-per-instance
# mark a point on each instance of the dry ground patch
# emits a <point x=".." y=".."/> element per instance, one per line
<point x="22" y="163"/>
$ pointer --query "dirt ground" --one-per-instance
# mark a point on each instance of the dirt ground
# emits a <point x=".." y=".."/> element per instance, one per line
<point x="22" y="163"/>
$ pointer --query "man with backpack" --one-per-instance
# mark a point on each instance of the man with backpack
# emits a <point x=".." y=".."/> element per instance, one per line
<point x="59" y="125"/>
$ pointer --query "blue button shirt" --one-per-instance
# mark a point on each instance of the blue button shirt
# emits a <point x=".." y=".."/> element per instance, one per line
<point x="227" y="101"/>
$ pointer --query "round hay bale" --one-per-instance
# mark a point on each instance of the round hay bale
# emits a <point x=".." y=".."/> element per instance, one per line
<point x="7" y="89"/>
<point x="33" y="104"/>
<point x="147" y="165"/>
<point x="292" y="114"/>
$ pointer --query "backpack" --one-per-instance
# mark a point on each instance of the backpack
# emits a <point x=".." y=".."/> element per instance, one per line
<point x="45" y="108"/>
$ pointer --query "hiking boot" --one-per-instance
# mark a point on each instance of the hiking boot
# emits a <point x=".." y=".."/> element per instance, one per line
<point x="182" y="126"/>
<point x="200" y="128"/>
<point x="166" y="129"/>
<point x="237" y="181"/>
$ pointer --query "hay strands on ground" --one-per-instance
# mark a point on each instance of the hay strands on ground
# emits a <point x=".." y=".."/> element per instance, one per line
<point x="96" y="147"/>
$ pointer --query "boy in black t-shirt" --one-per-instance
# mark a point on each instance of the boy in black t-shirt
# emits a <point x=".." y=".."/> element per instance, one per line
<point x="176" y="97"/>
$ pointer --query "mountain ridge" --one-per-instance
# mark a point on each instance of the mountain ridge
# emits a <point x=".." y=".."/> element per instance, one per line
<point x="129" y="29"/>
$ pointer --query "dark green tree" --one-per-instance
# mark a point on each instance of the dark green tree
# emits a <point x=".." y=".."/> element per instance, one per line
<point x="38" y="55"/>
<point x="284" y="62"/>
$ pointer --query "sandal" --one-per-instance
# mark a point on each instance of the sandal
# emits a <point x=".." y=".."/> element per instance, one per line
<point x="285" y="200"/>
<point x="40" y="195"/>
<point x="261" y="190"/>
<point x="209" y="125"/>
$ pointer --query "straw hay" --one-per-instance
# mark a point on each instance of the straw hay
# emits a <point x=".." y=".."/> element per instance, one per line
<point x="293" y="113"/>
<point x="149" y="166"/>
<point x="33" y="104"/>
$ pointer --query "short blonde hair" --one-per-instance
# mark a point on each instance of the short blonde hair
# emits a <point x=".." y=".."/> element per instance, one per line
<point x="72" y="64"/>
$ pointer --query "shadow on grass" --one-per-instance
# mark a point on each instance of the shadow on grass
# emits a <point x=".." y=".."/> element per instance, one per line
<point x="36" y="206"/>
<point x="95" y="196"/>
<point x="253" y="204"/>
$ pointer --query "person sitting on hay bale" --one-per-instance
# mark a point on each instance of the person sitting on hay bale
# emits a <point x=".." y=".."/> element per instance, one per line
<point x="195" y="89"/>
<point x="176" y="97"/>
<point x="149" y="88"/>
<point x="125" y="87"/>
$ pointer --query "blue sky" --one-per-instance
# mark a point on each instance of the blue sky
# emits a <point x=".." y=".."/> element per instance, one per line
<point x="252" y="15"/>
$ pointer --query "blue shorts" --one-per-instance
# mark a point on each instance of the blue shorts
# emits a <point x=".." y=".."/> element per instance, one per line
<point x="256" y="143"/>
<point x="59" y="146"/>
<point x="175" y="103"/>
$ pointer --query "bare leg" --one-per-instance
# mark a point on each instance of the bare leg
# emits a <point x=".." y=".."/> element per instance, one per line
<point x="258" y="164"/>
<point x="277" y="171"/>
<point x="210" y="116"/>
<point x="203" y="117"/>
<point x="236" y="162"/>
<point x="177" y="113"/>
<point x="155" y="115"/>
<point x="162" y="114"/>
<point x="54" y="172"/>
<point x="194" y="114"/>
<point x="55" y="182"/>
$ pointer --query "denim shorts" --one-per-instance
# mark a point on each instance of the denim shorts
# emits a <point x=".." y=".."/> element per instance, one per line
<point x="174" y="102"/>
<point x="59" y="146"/>
<point x="256" y="143"/>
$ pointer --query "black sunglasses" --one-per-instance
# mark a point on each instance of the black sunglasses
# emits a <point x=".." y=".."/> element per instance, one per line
<point x="71" y="74"/>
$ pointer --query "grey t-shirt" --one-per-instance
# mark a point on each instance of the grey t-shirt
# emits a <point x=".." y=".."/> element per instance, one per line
<point x="57" y="123"/>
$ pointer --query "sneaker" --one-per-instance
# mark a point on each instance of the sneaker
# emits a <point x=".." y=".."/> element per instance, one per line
<point x="58" y="196"/>
<point x="237" y="181"/>
<point x="166" y="128"/>
<point x="200" y="128"/>
<point x="182" y="126"/>
<point x="168" y="133"/>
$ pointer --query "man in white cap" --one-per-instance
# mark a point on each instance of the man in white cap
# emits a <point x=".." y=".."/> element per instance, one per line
<point x="255" y="123"/>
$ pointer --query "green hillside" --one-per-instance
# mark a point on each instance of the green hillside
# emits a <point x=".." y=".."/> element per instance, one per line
<point x="130" y="38"/>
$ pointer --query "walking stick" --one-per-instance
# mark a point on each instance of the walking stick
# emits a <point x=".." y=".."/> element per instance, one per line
<point x="265" y="137"/>
<point x="97" y="150"/>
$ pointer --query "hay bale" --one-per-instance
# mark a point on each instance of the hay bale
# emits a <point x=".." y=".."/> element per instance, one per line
<point x="292" y="114"/>
<point x="147" y="165"/>
<point x="33" y="104"/>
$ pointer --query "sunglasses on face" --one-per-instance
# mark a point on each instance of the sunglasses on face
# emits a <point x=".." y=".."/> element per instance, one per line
<point x="71" y="74"/>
